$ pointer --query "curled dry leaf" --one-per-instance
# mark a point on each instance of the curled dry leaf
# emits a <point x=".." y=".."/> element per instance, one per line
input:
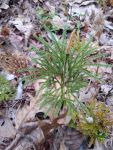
<point x="98" y="146"/>
<point x="23" y="25"/>
<point x="71" y="42"/>
<point x="7" y="130"/>
<point x="5" y="31"/>
<point x="110" y="2"/>
<point x="99" y="24"/>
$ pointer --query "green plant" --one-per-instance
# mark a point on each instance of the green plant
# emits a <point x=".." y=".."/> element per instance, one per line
<point x="63" y="67"/>
<point x="6" y="90"/>
<point x="100" y="126"/>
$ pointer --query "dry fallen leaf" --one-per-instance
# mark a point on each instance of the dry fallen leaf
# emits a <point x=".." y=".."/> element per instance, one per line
<point x="71" y="42"/>
<point x="7" y="129"/>
<point x="17" y="41"/>
<point x="5" y="31"/>
<point x="24" y="25"/>
<point x="86" y="27"/>
<point x="98" y="146"/>
<point x="59" y="22"/>
<point x="47" y="126"/>
<point x="73" y="139"/>
<point x="111" y="2"/>
<point x="35" y="1"/>
<point x="27" y="112"/>
<point x="99" y="24"/>
<point x="62" y="146"/>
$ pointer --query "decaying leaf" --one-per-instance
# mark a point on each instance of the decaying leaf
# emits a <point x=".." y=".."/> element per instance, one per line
<point x="73" y="139"/>
<point x="71" y="42"/>
<point x="99" y="24"/>
<point x="7" y="129"/>
<point x="23" y="25"/>
<point x="17" y="41"/>
<point x="98" y="146"/>
<point x="48" y="126"/>
<point x="5" y="31"/>
<point x="27" y="112"/>
<point x="62" y="146"/>
<point x="111" y="2"/>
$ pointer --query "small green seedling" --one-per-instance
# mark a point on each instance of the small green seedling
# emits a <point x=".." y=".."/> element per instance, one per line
<point x="6" y="90"/>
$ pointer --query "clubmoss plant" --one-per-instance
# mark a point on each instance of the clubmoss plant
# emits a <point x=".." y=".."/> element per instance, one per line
<point x="63" y="65"/>
<point x="6" y="90"/>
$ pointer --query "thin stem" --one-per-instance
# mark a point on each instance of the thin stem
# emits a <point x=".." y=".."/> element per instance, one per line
<point x="65" y="66"/>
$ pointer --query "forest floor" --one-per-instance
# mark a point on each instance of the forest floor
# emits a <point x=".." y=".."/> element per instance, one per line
<point x="20" y="20"/>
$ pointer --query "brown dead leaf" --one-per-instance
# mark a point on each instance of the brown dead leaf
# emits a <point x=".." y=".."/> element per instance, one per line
<point x="71" y="41"/>
<point x="98" y="24"/>
<point x="5" y="31"/>
<point x="46" y="126"/>
<point x="98" y="146"/>
<point x="27" y="112"/>
<point x="73" y="138"/>
<point x="7" y="129"/>
<point x="110" y="2"/>
<point x="86" y="28"/>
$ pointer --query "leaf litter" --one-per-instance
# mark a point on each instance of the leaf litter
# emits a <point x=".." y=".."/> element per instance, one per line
<point x="21" y="18"/>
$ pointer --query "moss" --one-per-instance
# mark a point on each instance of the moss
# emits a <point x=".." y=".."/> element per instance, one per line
<point x="6" y="90"/>
<point x="102" y="121"/>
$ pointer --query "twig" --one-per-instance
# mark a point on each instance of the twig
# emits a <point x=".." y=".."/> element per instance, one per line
<point x="26" y="129"/>
<point x="14" y="143"/>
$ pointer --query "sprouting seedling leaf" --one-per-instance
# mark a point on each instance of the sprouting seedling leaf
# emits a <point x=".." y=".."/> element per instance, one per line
<point x="6" y="90"/>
